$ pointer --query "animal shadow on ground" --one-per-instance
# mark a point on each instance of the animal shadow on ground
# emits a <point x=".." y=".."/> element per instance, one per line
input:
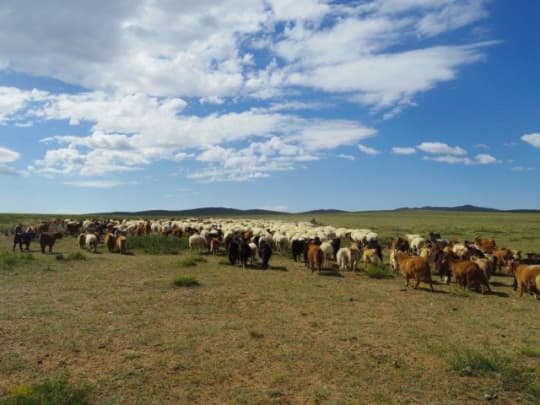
<point x="499" y="294"/>
<point x="330" y="273"/>
<point x="499" y="284"/>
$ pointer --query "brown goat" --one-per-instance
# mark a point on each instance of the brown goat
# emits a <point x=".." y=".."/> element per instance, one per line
<point x="413" y="267"/>
<point x="214" y="246"/>
<point x="468" y="274"/>
<point x="121" y="244"/>
<point x="82" y="240"/>
<point x="315" y="257"/>
<point x="525" y="277"/>
<point x="48" y="239"/>
<point x="110" y="242"/>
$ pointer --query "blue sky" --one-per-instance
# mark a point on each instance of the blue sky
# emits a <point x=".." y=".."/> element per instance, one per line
<point x="279" y="104"/>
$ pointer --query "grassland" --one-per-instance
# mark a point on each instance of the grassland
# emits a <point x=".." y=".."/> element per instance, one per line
<point x="123" y="326"/>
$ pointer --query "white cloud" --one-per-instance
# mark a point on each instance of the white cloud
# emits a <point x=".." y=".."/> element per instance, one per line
<point x="522" y="169"/>
<point x="367" y="150"/>
<point x="450" y="159"/>
<point x="274" y="207"/>
<point x="98" y="183"/>
<point x="441" y="148"/>
<point x="481" y="146"/>
<point x="485" y="159"/>
<point x="205" y="49"/>
<point x="532" y="139"/>
<point x="347" y="157"/>
<point x="480" y="159"/>
<point x="8" y="155"/>
<point x="397" y="150"/>
<point x="8" y="171"/>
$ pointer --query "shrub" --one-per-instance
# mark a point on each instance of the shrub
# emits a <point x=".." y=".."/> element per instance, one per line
<point x="185" y="281"/>
<point x="56" y="391"/>
<point x="190" y="261"/>
<point x="473" y="362"/>
<point x="157" y="244"/>
<point x="9" y="260"/>
<point x="373" y="271"/>
<point x="71" y="256"/>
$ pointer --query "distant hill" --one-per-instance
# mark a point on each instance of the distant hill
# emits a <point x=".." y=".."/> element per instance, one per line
<point x="226" y="212"/>
<point x="195" y="212"/>
<point x="464" y="208"/>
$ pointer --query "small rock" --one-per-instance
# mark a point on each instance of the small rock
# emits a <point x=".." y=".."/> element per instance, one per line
<point x="490" y="397"/>
<point x="102" y="346"/>
<point x="396" y="364"/>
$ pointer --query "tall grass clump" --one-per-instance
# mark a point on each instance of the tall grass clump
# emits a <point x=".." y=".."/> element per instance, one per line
<point x="56" y="391"/>
<point x="474" y="362"/>
<point x="157" y="244"/>
<point x="185" y="281"/>
<point x="373" y="271"/>
<point x="190" y="261"/>
<point x="9" y="260"/>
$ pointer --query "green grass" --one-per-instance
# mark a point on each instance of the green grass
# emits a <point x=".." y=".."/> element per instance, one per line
<point x="185" y="281"/>
<point x="269" y="337"/>
<point x="55" y="391"/>
<point x="474" y="362"/>
<point x="157" y="244"/>
<point x="9" y="260"/>
<point x="73" y="256"/>
<point x="377" y="272"/>
<point x="192" y="260"/>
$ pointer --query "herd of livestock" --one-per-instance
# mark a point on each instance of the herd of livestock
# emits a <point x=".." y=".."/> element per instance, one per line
<point x="470" y="263"/>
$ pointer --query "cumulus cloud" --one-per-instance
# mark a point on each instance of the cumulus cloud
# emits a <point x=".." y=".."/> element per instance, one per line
<point x="485" y="159"/>
<point x="145" y="47"/>
<point x="480" y="159"/>
<point x="441" y="149"/>
<point x="532" y="139"/>
<point x="367" y="150"/>
<point x="149" y="59"/>
<point x="98" y="183"/>
<point x="8" y="155"/>
<point x="398" y="150"/>
<point x="522" y="169"/>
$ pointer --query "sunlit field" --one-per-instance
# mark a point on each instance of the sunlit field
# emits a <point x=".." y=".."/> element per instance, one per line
<point x="174" y="326"/>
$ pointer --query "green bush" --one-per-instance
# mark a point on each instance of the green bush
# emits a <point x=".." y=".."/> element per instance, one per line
<point x="373" y="271"/>
<point x="157" y="244"/>
<point x="9" y="260"/>
<point x="72" y="256"/>
<point x="56" y="391"/>
<point x="474" y="362"/>
<point x="191" y="261"/>
<point x="185" y="281"/>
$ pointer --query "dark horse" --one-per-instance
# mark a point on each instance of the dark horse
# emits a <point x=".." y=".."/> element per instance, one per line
<point x="23" y="239"/>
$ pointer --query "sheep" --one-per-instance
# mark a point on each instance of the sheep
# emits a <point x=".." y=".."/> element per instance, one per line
<point x="253" y="247"/>
<point x="413" y="267"/>
<point x="417" y="244"/>
<point x="91" y="242"/>
<point x="328" y="252"/>
<point x="369" y="256"/>
<point x="356" y="255"/>
<point x="343" y="258"/>
<point x="196" y="241"/>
